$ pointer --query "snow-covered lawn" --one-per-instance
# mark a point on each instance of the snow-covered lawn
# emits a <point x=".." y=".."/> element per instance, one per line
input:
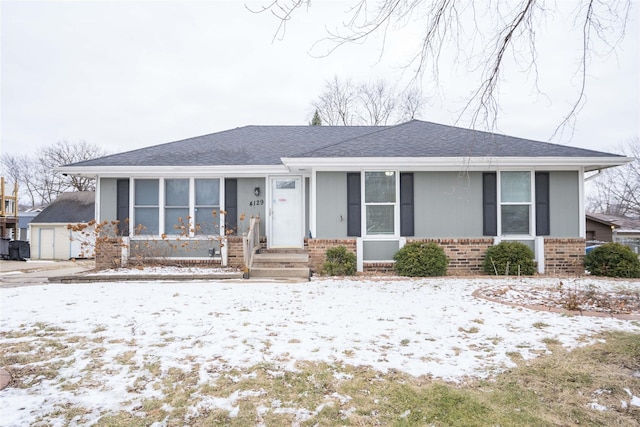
<point x="431" y="327"/>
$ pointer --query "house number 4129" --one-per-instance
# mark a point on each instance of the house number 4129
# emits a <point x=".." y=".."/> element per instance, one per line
<point x="257" y="202"/>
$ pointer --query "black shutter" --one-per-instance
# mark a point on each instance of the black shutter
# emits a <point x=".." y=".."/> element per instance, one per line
<point x="122" y="206"/>
<point x="354" y="210"/>
<point x="406" y="205"/>
<point x="489" y="204"/>
<point x="543" y="226"/>
<point x="231" y="205"/>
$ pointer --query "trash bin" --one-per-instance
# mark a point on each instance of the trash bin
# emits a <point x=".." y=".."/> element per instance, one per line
<point x="19" y="250"/>
<point x="4" y="248"/>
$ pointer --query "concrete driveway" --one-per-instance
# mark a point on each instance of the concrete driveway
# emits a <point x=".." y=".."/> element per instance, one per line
<point x="22" y="273"/>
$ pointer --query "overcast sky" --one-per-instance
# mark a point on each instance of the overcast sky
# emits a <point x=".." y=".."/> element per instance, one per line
<point x="130" y="74"/>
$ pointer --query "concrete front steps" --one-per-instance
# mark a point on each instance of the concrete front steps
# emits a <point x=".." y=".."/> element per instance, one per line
<point x="280" y="264"/>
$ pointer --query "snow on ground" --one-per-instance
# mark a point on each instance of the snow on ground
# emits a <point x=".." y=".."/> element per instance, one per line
<point x="164" y="270"/>
<point x="421" y="327"/>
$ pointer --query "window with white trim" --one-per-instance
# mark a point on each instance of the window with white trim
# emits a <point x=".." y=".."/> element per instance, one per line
<point x="380" y="200"/>
<point x="515" y="202"/>
<point x="207" y="206"/>
<point x="177" y="206"/>
<point x="146" y="207"/>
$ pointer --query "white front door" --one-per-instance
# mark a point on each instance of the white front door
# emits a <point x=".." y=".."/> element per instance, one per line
<point x="286" y="212"/>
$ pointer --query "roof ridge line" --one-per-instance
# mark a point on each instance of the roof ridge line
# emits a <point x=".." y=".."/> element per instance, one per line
<point x="374" y="131"/>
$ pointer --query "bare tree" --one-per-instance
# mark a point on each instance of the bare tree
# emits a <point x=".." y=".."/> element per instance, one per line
<point x="372" y="103"/>
<point x="617" y="190"/>
<point x="336" y="104"/>
<point x="19" y="169"/>
<point x="486" y="35"/>
<point x="38" y="180"/>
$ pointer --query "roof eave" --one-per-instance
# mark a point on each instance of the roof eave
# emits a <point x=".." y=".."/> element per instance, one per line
<point x="456" y="163"/>
<point x="169" y="171"/>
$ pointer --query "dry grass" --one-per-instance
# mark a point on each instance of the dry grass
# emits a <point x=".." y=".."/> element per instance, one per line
<point x="558" y="388"/>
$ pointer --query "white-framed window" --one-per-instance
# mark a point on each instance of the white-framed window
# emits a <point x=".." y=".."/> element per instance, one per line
<point x="176" y="206"/>
<point x="146" y="206"/>
<point x="207" y="206"/>
<point x="516" y="203"/>
<point x="381" y="203"/>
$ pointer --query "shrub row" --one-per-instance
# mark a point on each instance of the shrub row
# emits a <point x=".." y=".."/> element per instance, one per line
<point x="506" y="258"/>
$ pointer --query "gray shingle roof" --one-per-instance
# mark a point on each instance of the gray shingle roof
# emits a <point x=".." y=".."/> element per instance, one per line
<point x="69" y="208"/>
<point x="423" y="139"/>
<point x="266" y="145"/>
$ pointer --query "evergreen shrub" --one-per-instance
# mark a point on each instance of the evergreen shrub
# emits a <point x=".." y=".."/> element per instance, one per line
<point x="421" y="260"/>
<point x="339" y="262"/>
<point x="509" y="258"/>
<point x="613" y="260"/>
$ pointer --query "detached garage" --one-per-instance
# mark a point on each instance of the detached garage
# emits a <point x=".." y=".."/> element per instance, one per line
<point x="50" y="236"/>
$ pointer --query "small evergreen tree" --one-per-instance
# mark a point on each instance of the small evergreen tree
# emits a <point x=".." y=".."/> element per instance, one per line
<point x="316" y="120"/>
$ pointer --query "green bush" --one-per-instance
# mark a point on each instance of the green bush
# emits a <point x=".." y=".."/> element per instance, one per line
<point x="612" y="260"/>
<point x="509" y="258"/>
<point x="339" y="262"/>
<point x="421" y="260"/>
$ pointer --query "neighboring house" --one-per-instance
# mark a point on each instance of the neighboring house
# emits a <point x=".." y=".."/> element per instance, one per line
<point x="50" y="236"/>
<point x="371" y="189"/>
<point x="612" y="228"/>
<point x="8" y="210"/>
<point x="24" y="219"/>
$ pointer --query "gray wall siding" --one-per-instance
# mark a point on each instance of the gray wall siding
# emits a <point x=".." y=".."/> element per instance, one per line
<point x="251" y="205"/>
<point x="448" y="204"/>
<point x="331" y="206"/>
<point x="564" y="204"/>
<point x="380" y="250"/>
<point x="108" y="200"/>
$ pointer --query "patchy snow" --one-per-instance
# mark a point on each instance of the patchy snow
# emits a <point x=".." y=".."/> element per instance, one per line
<point x="422" y="327"/>
<point x="163" y="270"/>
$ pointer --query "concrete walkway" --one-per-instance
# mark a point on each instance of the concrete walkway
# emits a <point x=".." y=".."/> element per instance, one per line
<point x="24" y="273"/>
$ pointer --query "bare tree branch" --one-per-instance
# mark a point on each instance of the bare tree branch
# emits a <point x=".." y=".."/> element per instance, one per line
<point x="481" y="35"/>
<point x="374" y="103"/>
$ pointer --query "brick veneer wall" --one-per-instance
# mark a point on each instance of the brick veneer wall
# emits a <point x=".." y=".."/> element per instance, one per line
<point x="234" y="252"/>
<point x="318" y="247"/>
<point x="465" y="255"/>
<point x="108" y="253"/>
<point x="564" y="256"/>
<point x="235" y="257"/>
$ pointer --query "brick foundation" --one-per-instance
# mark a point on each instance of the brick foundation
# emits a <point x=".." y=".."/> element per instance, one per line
<point x="564" y="256"/>
<point x="235" y="257"/>
<point x="317" y="249"/>
<point x="108" y="253"/>
<point x="465" y="255"/>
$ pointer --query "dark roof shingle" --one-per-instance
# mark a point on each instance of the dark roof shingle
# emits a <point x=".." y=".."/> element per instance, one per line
<point x="266" y="145"/>
<point x="69" y="208"/>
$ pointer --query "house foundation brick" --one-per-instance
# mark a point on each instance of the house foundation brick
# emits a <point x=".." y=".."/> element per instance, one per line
<point x="465" y="255"/>
<point x="108" y="253"/>
<point x="317" y="249"/>
<point x="564" y="256"/>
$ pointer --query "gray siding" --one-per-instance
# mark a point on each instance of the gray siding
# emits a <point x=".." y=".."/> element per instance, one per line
<point x="379" y="250"/>
<point x="564" y="204"/>
<point x="331" y="206"/>
<point x="108" y="200"/>
<point x="448" y="204"/>
<point x="251" y="205"/>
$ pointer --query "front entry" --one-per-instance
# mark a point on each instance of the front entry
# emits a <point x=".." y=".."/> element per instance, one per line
<point x="286" y="212"/>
